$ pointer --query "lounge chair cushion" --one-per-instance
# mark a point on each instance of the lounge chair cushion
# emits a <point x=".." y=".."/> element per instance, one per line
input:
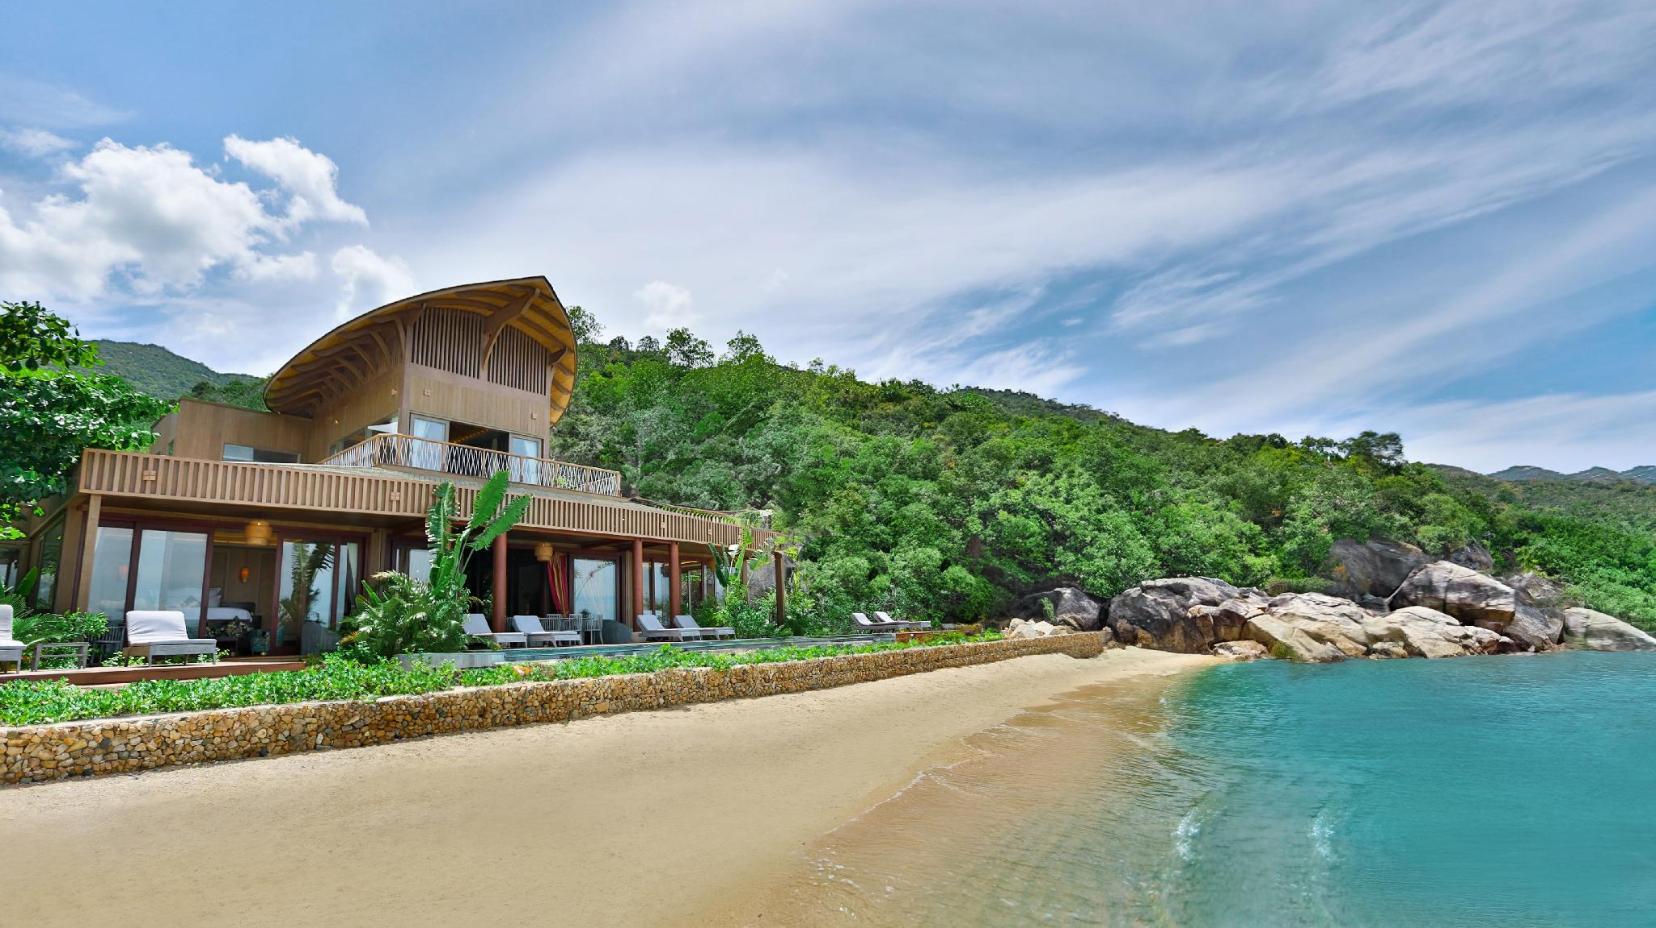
<point x="163" y="627"/>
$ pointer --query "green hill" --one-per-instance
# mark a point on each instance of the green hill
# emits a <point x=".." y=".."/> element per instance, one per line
<point x="165" y="375"/>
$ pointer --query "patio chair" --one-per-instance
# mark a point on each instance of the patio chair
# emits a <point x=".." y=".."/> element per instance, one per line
<point x="530" y="626"/>
<point x="650" y="627"/>
<point x="688" y="623"/>
<point x="478" y="627"/>
<point x="886" y="617"/>
<point x="162" y="634"/>
<point x="11" y="650"/>
<point x="865" y="624"/>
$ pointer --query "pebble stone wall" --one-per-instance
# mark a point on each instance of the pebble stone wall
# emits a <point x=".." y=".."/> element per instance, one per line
<point x="126" y="745"/>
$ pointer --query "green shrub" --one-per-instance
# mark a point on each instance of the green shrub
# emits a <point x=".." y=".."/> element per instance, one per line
<point x="338" y="677"/>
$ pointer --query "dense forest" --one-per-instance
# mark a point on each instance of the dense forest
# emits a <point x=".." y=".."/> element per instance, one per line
<point x="948" y="503"/>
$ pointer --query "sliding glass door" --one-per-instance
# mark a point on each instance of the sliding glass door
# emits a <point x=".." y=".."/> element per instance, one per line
<point x="141" y="568"/>
<point x="597" y="587"/>
<point x="319" y="583"/>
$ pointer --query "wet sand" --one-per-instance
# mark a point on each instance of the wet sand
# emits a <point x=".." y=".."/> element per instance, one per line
<point x="700" y="815"/>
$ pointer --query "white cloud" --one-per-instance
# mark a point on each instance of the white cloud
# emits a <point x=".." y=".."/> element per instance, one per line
<point x="30" y="102"/>
<point x="369" y="280"/>
<point x="298" y="266"/>
<point x="310" y="178"/>
<point x="149" y="220"/>
<point x="148" y="213"/>
<point x="35" y="143"/>
<point x="669" y="306"/>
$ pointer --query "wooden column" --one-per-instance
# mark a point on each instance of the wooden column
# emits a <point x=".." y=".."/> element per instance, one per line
<point x="498" y="620"/>
<point x="674" y="581"/>
<point x="89" y="544"/>
<point x="781" y="588"/>
<point x="637" y="583"/>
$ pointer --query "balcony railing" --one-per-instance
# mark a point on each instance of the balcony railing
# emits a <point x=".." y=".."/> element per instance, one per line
<point x="467" y="461"/>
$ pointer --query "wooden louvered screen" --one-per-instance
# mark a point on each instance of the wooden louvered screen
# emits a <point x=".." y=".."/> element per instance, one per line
<point x="449" y="340"/>
<point x="519" y="361"/>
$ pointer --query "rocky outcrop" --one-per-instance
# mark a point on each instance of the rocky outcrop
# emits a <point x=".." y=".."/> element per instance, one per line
<point x="1162" y="614"/>
<point x="1595" y="631"/>
<point x="1440" y="609"/>
<point x="1070" y="606"/>
<point x="1372" y="568"/>
<point x="1462" y="592"/>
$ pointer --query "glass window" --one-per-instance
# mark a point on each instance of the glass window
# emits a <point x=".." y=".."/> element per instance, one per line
<point x="595" y="589"/>
<point x="8" y="567"/>
<point x="426" y="450"/>
<point x="661" y="588"/>
<point x="350" y="568"/>
<point x="234" y="452"/>
<point x="526" y="465"/>
<point x="417" y="563"/>
<point x="172" y="569"/>
<point x="111" y="567"/>
<point x="51" y="553"/>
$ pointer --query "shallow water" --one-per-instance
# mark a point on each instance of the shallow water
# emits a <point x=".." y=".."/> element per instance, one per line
<point x="1517" y="791"/>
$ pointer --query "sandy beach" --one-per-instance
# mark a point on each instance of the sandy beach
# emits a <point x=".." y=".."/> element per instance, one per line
<point x="648" y="818"/>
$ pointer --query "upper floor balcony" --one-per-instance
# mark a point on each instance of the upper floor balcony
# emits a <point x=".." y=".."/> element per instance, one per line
<point x="426" y="454"/>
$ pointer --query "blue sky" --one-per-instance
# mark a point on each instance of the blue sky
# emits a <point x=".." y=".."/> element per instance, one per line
<point x="1438" y="219"/>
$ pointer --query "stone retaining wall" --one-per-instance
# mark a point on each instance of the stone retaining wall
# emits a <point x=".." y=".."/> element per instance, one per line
<point x="102" y="746"/>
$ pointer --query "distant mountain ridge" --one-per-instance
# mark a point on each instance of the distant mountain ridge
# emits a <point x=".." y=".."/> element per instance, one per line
<point x="166" y="375"/>
<point x="1524" y="473"/>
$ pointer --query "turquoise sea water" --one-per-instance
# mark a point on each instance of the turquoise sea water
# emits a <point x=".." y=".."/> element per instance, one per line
<point x="1511" y="792"/>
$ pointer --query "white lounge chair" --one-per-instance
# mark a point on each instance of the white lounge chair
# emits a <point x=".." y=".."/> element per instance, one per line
<point x="867" y="625"/>
<point x="651" y="628"/>
<point x="162" y="634"/>
<point x="886" y="617"/>
<point x="11" y="650"/>
<point x="688" y="623"/>
<point x="530" y="626"/>
<point x="477" y="626"/>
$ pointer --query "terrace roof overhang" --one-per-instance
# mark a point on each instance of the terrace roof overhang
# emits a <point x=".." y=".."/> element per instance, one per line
<point x="341" y="360"/>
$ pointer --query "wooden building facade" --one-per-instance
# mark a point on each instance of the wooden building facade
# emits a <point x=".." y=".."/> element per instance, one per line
<point x="271" y="520"/>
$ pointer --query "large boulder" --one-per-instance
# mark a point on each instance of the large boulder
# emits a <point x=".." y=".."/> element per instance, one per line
<point x="1595" y="631"/>
<point x="1070" y="606"/>
<point x="1424" y="632"/>
<point x="1534" y="627"/>
<point x="1333" y="621"/>
<point x="1473" y="556"/>
<point x="1163" y="614"/>
<point x="1471" y="597"/>
<point x="1021" y="628"/>
<point x="1372" y="568"/>
<point x="1242" y="650"/>
<point x="1538" y="591"/>
<point x="1287" y="640"/>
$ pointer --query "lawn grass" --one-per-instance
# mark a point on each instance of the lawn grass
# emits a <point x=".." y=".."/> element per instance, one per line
<point x="37" y="702"/>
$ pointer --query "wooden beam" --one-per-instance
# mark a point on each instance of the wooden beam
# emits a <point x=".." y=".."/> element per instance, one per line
<point x="497" y="323"/>
<point x="638" y="583"/>
<point x="674" y="580"/>
<point x="89" y="543"/>
<point x="781" y="587"/>
<point x="498" y="622"/>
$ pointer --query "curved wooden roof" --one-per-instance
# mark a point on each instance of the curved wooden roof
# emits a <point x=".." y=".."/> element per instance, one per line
<point x="341" y="360"/>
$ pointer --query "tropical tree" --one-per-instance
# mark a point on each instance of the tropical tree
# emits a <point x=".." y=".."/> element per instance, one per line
<point x="51" y="408"/>
<point x="398" y="614"/>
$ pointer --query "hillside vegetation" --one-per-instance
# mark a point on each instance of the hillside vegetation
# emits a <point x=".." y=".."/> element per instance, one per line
<point x="948" y="503"/>
<point x="160" y="373"/>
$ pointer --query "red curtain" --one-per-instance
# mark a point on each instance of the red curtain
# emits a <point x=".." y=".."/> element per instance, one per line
<point x="555" y="581"/>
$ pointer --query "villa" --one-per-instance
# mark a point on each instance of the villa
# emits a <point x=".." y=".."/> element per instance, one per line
<point x="260" y="526"/>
